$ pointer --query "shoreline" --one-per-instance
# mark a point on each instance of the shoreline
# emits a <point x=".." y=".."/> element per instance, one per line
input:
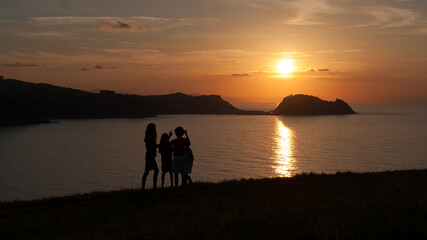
<point x="343" y="205"/>
<point x="52" y="119"/>
<point x="140" y="116"/>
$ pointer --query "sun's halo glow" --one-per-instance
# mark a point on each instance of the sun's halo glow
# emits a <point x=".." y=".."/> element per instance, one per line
<point x="285" y="66"/>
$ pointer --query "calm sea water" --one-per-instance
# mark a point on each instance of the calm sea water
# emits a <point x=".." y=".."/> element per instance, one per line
<point x="77" y="156"/>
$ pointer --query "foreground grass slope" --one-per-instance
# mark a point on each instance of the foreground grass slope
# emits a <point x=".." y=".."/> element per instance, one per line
<point x="388" y="205"/>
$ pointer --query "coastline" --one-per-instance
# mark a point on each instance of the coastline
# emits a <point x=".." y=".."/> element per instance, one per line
<point x="34" y="103"/>
<point x="52" y="120"/>
<point x="344" y="205"/>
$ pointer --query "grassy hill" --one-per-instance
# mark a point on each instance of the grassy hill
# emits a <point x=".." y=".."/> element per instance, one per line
<point x="387" y="205"/>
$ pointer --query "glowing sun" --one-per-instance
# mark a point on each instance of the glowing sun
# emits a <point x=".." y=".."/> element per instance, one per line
<point x="285" y="66"/>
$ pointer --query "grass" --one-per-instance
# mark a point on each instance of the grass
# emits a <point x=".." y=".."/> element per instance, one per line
<point x="386" y="205"/>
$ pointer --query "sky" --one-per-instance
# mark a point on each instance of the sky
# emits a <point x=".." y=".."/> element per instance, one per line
<point x="361" y="51"/>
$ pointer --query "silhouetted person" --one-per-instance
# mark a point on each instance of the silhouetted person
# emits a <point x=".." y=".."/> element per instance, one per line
<point x="188" y="166"/>
<point x="150" y="154"/>
<point x="179" y="145"/>
<point x="165" y="150"/>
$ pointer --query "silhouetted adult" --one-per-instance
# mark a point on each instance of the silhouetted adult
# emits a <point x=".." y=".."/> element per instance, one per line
<point x="179" y="144"/>
<point x="150" y="154"/>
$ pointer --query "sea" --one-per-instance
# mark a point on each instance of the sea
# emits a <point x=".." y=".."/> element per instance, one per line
<point x="79" y="156"/>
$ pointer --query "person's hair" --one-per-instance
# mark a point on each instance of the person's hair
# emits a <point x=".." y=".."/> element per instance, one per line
<point x="164" y="139"/>
<point x="151" y="131"/>
<point x="179" y="131"/>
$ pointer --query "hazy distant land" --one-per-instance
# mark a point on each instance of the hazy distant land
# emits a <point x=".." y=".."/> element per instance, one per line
<point x="25" y="102"/>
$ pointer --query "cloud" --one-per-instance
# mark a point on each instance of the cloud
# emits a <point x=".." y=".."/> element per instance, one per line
<point x="118" y="25"/>
<point x="18" y="64"/>
<point x="330" y="51"/>
<point x="240" y="74"/>
<point x="224" y="53"/>
<point x="70" y="20"/>
<point x="135" y="57"/>
<point x="96" y="67"/>
<point x="323" y="69"/>
<point x="351" y="50"/>
<point x="318" y="70"/>
<point x="339" y="13"/>
<point x="58" y="34"/>
<point x="326" y="51"/>
<point x="131" y="23"/>
<point x="293" y="54"/>
<point x="381" y="14"/>
<point x="307" y="11"/>
<point x="300" y="12"/>
<point x="100" y="67"/>
<point x="387" y="17"/>
<point x="248" y="74"/>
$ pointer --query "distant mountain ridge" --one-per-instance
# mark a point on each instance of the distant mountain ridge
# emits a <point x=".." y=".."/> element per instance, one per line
<point x="25" y="102"/>
<point x="301" y="104"/>
<point x="38" y="102"/>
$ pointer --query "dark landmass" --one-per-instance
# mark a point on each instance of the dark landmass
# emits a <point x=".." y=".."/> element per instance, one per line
<point x="24" y="102"/>
<point x="386" y="205"/>
<point x="309" y="105"/>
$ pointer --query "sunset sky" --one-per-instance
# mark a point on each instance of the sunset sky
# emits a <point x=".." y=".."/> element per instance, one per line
<point x="362" y="51"/>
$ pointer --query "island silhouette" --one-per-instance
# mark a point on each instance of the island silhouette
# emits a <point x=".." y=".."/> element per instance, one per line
<point x="301" y="104"/>
<point x="25" y="102"/>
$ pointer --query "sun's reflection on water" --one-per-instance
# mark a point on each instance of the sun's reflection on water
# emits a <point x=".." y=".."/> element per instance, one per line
<point x="283" y="151"/>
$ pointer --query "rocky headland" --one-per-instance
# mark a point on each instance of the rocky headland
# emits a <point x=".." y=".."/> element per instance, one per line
<point x="301" y="104"/>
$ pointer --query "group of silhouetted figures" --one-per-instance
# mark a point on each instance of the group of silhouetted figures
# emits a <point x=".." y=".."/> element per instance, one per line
<point x="177" y="157"/>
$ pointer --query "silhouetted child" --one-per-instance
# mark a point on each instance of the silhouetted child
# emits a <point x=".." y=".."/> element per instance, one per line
<point x="179" y="145"/>
<point x="188" y="166"/>
<point x="165" y="150"/>
<point x="150" y="154"/>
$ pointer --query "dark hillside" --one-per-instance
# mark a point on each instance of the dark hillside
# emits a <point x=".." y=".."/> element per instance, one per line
<point x="31" y="101"/>
<point x="179" y="103"/>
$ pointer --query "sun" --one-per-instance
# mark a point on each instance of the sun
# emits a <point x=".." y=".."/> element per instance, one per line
<point x="285" y="66"/>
